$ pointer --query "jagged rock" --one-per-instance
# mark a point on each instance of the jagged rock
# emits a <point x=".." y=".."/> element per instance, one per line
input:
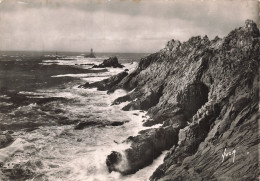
<point x="144" y="148"/>
<point x="226" y="122"/>
<point x="85" y="124"/>
<point x="206" y="95"/>
<point x="110" y="62"/>
<point x="148" y="100"/>
<point x="172" y="45"/>
<point x="106" y="84"/>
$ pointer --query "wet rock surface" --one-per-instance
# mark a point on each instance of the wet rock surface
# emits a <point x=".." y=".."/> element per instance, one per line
<point x="144" y="148"/>
<point x="205" y="93"/>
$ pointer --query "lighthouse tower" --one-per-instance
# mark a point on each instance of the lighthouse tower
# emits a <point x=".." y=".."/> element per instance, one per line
<point x="91" y="55"/>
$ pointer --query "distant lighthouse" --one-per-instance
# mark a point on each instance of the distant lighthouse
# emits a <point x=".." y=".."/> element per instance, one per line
<point x="91" y="55"/>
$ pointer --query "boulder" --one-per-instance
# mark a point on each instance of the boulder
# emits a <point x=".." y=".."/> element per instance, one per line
<point x="113" y="160"/>
<point x="144" y="148"/>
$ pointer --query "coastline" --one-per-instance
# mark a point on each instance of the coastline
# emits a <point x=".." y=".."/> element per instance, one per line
<point x="196" y="103"/>
<point x="205" y="93"/>
<point x="51" y="145"/>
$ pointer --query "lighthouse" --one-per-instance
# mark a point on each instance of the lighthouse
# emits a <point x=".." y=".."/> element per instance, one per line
<point x="91" y="55"/>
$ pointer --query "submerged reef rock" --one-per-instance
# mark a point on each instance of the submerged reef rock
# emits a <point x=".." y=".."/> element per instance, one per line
<point x="100" y="123"/>
<point x="5" y="140"/>
<point x="110" y="62"/>
<point x="205" y="93"/>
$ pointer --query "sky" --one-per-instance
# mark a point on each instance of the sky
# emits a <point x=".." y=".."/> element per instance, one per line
<point x="116" y="25"/>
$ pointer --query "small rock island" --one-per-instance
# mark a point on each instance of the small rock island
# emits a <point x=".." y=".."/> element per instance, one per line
<point x="110" y="62"/>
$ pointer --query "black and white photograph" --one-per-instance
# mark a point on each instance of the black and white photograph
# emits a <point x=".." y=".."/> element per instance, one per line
<point x="129" y="90"/>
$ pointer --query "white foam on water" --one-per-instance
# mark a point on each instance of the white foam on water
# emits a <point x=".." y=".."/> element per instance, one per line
<point x="62" y="153"/>
<point x="53" y="63"/>
<point x="50" y="61"/>
<point x="81" y="62"/>
<point x="30" y="93"/>
<point x="117" y="93"/>
<point x="75" y="60"/>
<point x="72" y="75"/>
<point x="63" y="157"/>
<point x="4" y="97"/>
<point x="95" y="79"/>
<point x="5" y="104"/>
<point x="17" y="146"/>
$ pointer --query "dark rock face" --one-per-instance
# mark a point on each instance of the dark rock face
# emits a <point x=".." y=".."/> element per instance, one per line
<point x="144" y="149"/>
<point x="150" y="99"/>
<point x="5" y="140"/>
<point x="112" y="160"/>
<point x="109" y="84"/>
<point x="84" y="124"/>
<point x="192" y="98"/>
<point x="205" y="94"/>
<point x="110" y="62"/>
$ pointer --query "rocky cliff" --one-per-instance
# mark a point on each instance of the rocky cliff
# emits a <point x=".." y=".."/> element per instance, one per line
<point x="205" y="93"/>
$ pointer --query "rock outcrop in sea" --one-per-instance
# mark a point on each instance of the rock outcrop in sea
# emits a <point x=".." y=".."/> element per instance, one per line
<point x="106" y="84"/>
<point x="5" y="139"/>
<point x="110" y="62"/>
<point x="205" y="95"/>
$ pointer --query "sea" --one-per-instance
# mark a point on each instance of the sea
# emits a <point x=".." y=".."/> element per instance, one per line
<point x="40" y="104"/>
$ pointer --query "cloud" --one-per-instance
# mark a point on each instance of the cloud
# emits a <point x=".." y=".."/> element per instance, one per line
<point x="124" y="26"/>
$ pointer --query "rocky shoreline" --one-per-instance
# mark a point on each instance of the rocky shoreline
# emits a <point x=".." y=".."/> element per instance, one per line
<point x="205" y="94"/>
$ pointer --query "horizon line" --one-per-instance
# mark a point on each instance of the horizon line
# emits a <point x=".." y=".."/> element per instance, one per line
<point x="64" y="51"/>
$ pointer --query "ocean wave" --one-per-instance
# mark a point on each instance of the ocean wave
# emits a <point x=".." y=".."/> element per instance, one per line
<point x="17" y="146"/>
<point x="62" y="153"/>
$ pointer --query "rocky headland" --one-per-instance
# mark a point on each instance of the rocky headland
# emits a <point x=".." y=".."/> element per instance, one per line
<point x="205" y="95"/>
